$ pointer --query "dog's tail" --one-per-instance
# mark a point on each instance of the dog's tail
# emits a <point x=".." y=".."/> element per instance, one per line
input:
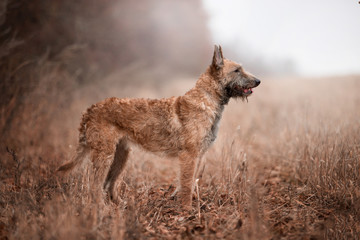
<point x="79" y="157"/>
<point x="82" y="148"/>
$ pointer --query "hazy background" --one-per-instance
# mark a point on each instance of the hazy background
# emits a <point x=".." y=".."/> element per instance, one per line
<point x="310" y="38"/>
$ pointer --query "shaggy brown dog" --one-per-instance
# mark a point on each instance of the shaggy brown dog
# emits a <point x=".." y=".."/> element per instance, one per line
<point x="183" y="127"/>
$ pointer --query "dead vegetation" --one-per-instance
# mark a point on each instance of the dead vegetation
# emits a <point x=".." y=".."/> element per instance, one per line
<point x="285" y="166"/>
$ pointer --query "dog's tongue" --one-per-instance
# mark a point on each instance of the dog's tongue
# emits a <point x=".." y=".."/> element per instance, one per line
<point x="247" y="90"/>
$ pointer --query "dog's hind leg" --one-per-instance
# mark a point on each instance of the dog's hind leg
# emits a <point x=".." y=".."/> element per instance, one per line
<point x="118" y="164"/>
<point x="102" y="139"/>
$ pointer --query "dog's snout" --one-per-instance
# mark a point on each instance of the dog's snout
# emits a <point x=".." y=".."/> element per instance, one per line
<point x="257" y="82"/>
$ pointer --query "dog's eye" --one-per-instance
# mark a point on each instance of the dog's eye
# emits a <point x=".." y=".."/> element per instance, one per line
<point x="237" y="70"/>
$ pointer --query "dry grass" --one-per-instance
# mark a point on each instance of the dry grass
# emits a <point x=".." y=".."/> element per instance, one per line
<point x="285" y="166"/>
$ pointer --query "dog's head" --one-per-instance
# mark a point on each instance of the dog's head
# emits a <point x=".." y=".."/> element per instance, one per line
<point x="231" y="77"/>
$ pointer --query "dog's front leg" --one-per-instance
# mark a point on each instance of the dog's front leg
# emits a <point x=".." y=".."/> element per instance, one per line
<point x="187" y="167"/>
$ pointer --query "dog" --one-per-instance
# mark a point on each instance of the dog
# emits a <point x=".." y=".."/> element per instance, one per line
<point x="180" y="127"/>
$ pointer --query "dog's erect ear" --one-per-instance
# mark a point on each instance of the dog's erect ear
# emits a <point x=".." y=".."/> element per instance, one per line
<point x="218" y="59"/>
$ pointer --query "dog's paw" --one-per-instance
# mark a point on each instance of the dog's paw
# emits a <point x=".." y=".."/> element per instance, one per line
<point x="186" y="207"/>
<point x="186" y="203"/>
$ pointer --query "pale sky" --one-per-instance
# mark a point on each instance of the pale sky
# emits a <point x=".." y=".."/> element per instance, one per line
<point x="322" y="37"/>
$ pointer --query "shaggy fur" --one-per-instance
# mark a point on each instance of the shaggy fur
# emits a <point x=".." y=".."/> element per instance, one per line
<point x="182" y="127"/>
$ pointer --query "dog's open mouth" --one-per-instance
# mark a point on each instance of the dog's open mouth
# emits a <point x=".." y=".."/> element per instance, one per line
<point x="243" y="91"/>
<point x="235" y="90"/>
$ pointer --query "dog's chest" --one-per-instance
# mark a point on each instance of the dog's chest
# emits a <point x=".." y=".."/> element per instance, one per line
<point x="213" y="130"/>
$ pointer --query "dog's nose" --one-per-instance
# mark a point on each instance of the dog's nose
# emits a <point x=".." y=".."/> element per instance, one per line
<point x="257" y="82"/>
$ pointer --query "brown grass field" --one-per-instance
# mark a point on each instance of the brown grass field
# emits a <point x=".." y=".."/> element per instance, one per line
<point x="284" y="166"/>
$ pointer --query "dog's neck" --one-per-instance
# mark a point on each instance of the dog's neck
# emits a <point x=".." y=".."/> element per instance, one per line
<point x="208" y="88"/>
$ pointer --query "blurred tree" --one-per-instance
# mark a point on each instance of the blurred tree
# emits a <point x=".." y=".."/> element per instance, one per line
<point x="48" y="48"/>
<point x="108" y="34"/>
